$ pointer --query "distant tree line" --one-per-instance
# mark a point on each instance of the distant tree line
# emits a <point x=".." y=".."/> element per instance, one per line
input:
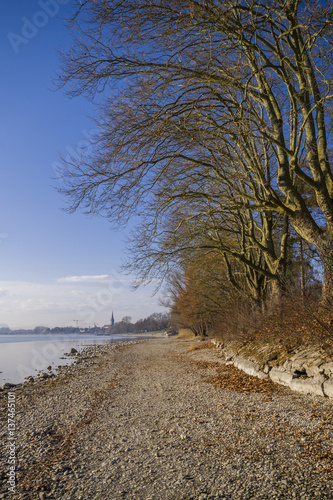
<point x="154" y="322"/>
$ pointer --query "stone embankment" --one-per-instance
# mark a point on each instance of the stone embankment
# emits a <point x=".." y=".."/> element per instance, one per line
<point x="308" y="370"/>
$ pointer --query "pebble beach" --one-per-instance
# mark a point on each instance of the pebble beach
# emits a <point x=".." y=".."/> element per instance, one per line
<point x="164" y="419"/>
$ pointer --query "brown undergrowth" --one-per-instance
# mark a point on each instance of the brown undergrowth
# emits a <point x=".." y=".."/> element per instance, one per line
<point x="298" y="326"/>
<point x="203" y="345"/>
<point x="294" y="323"/>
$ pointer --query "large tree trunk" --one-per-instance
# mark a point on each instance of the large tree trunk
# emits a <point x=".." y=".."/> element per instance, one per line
<point x="278" y="286"/>
<point x="302" y="270"/>
<point x="325" y="249"/>
<point x="327" y="293"/>
<point x="277" y="293"/>
<point x="258" y="297"/>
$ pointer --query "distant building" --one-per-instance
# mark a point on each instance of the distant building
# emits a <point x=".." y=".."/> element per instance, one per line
<point x="112" y="319"/>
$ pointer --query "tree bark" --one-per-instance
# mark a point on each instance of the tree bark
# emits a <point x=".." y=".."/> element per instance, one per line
<point x="302" y="270"/>
<point x="277" y="293"/>
<point x="278" y="285"/>
<point x="327" y="292"/>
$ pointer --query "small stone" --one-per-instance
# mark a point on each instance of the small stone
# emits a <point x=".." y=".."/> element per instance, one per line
<point x="7" y="385"/>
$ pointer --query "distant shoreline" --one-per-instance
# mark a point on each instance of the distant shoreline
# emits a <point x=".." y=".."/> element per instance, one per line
<point x="31" y="332"/>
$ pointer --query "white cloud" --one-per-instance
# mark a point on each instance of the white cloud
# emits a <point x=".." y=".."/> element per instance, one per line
<point x="101" y="278"/>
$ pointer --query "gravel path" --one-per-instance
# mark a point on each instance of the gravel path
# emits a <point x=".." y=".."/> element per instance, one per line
<point x="141" y="421"/>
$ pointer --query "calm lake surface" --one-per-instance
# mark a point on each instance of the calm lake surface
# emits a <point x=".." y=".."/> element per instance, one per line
<point x="24" y="355"/>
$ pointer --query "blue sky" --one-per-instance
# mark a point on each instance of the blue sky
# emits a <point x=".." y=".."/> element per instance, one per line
<point x="55" y="267"/>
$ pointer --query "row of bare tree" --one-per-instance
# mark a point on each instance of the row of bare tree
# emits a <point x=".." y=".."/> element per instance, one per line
<point x="214" y="121"/>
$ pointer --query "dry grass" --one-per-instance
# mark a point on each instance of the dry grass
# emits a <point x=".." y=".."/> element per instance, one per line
<point x="294" y="323"/>
<point x="201" y="345"/>
<point x="185" y="333"/>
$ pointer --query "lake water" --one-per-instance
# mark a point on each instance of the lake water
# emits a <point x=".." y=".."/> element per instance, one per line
<point x="24" y="355"/>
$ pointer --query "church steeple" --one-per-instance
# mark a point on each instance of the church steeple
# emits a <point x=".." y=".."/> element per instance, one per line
<point x="112" y="319"/>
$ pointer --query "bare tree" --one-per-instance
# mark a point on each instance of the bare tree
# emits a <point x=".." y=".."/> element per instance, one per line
<point x="248" y="82"/>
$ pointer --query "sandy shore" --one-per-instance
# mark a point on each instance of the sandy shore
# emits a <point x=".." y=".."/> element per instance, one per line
<point x="155" y="420"/>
